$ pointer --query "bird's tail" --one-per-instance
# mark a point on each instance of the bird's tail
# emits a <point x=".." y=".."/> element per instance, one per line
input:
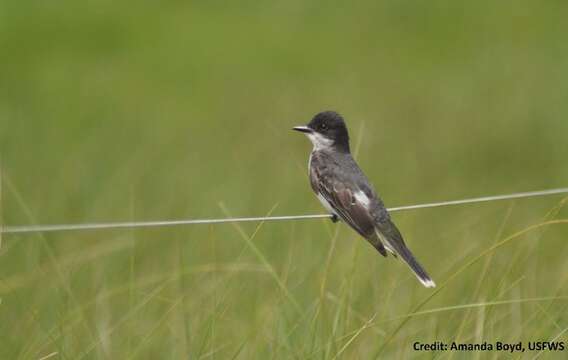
<point x="392" y="240"/>
<point x="415" y="266"/>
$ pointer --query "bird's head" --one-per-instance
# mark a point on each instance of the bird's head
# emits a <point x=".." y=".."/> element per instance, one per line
<point x="327" y="130"/>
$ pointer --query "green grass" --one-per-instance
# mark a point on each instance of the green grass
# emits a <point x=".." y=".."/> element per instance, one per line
<point x="122" y="112"/>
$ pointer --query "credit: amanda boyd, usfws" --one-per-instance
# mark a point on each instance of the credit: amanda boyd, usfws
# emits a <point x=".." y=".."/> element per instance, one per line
<point x="491" y="346"/>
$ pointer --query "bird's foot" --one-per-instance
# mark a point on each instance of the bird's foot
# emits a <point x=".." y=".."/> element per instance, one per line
<point x="334" y="218"/>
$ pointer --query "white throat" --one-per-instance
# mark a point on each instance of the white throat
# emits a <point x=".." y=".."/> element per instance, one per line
<point x="320" y="142"/>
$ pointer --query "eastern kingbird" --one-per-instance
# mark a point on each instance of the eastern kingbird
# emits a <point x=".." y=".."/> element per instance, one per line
<point x="346" y="193"/>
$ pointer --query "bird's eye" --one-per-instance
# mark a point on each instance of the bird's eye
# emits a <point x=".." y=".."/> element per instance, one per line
<point x="323" y="126"/>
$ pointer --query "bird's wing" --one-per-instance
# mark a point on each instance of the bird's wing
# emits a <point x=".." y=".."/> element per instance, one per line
<point x="341" y="197"/>
<point x="352" y="211"/>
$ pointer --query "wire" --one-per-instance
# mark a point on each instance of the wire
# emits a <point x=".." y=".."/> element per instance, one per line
<point x="122" y="225"/>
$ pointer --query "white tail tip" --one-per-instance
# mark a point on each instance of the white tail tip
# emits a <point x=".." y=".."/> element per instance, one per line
<point x="429" y="283"/>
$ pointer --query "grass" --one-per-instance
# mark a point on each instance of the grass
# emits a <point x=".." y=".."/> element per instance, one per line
<point x="110" y="112"/>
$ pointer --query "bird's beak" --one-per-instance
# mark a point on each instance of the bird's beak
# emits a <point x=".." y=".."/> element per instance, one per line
<point x="303" y="129"/>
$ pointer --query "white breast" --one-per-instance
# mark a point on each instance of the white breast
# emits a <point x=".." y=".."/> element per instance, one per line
<point x="321" y="198"/>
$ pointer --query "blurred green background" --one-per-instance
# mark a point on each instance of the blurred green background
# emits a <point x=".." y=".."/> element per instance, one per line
<point x="119" y="111"/>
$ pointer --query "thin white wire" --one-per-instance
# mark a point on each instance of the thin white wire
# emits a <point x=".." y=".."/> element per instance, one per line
<point x="118" y="225"/>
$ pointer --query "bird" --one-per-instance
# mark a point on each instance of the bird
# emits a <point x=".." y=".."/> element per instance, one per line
<point x="346" y="193"/>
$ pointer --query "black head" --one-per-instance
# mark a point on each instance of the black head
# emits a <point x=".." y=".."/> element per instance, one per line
<point x="327" y="126"/>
